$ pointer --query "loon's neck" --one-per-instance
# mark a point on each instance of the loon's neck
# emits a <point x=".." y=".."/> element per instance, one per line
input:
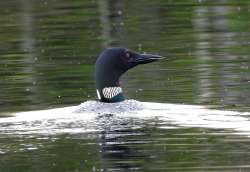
<point x="107" y="74"/>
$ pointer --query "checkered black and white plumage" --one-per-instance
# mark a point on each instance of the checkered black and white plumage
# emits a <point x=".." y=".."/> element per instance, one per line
<point x="110" y="92"/>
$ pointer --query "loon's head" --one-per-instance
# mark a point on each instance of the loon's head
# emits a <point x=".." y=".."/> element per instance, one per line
<point x="110" y="65"/>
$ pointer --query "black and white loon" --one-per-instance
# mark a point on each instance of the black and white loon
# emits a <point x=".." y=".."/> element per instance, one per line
<point x="110" y="65"/>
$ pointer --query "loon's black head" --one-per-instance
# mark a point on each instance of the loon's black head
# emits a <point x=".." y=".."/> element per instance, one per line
<point x="110" y="65"/>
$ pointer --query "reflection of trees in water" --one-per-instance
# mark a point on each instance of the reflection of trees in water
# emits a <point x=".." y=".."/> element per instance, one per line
<point x="28" y="46"/>
<point x="220" y="81"/>
<point x="203" y="53"/>
<point x="19" y="82"/>
<point x="112" y="22"/>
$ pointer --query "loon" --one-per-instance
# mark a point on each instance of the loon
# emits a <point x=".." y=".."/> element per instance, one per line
<point x="110" y="65"/>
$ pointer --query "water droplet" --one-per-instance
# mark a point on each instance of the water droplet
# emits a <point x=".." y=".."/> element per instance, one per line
<point x="119" y="12"/>
<point x="139" y="47"/>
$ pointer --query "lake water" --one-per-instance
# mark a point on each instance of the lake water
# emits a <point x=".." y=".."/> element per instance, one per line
<point x="47" y="55"/>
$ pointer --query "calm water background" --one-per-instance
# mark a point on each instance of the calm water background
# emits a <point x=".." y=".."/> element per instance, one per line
<point x="47" y="55"/>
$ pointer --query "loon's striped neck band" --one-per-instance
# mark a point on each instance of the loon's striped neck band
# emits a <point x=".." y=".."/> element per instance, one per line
<point x="110" y="94"/>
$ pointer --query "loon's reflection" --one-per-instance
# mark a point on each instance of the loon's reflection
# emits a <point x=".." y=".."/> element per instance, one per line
<point x="120" y="144"/>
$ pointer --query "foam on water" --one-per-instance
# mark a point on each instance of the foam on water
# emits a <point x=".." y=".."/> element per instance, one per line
<point x="93" y="116"/>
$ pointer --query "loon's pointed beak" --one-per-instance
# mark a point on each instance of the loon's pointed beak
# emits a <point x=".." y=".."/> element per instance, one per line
<point x="147" y="58"/>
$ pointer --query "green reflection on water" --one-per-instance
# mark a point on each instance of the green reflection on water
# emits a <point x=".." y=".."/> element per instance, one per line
<point x="49" y="50"/>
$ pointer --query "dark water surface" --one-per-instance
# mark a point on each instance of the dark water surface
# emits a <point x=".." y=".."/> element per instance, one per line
<point x="47" y="55"/>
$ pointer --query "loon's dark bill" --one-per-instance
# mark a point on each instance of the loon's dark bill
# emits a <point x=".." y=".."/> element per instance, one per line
<point x="147" y="58"/>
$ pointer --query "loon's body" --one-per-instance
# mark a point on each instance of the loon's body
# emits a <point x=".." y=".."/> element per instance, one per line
<point x="110" y="65"/>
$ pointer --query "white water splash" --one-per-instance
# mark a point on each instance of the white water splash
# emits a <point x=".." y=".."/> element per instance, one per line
<point x="93" y="116"/>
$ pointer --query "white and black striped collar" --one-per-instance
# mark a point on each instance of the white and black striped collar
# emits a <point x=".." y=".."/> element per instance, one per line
<point x="109" y="92"/>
